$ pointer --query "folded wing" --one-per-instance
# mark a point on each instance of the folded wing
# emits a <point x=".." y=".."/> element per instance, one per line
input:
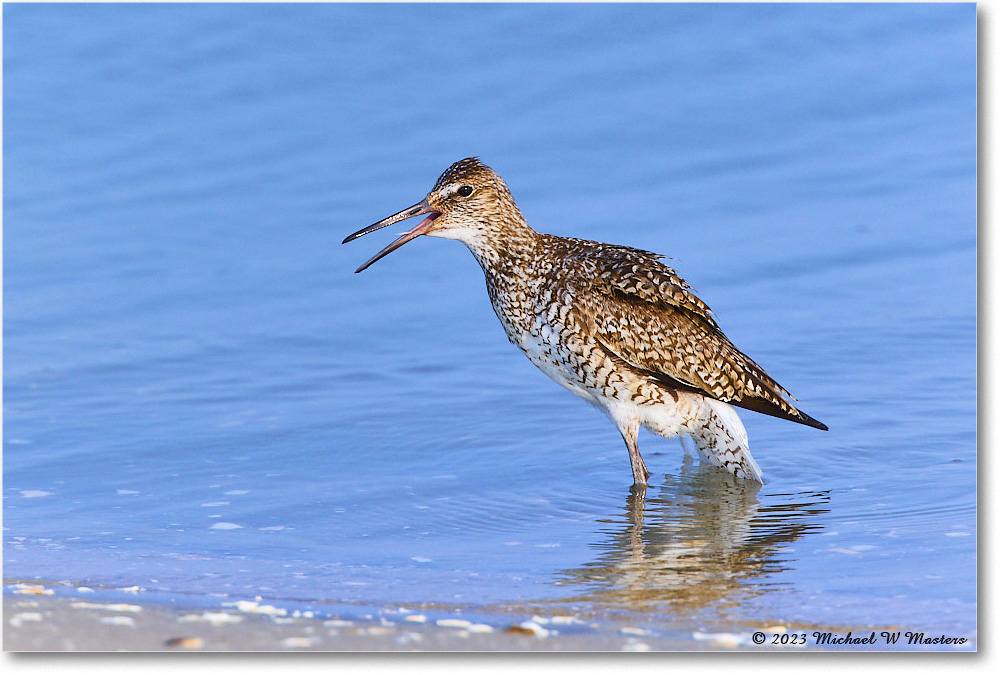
<point x="649" y="318"/>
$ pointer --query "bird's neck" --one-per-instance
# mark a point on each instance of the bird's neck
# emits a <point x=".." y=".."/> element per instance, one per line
<point x="506" y="244"/>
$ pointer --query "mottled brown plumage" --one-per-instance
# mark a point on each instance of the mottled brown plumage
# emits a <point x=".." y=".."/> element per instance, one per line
<point x="612" y="324"/>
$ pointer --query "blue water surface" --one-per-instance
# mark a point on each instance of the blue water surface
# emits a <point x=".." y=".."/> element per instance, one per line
<point x="201" y="399"/>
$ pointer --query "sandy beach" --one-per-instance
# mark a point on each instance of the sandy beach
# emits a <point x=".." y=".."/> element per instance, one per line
<point x="35" y="620"/>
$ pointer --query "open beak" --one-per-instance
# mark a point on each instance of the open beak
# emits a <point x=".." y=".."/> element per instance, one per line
<point x="423" y="227"/>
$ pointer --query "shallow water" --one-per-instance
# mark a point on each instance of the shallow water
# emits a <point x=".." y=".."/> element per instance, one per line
<point x="202" y="400"/>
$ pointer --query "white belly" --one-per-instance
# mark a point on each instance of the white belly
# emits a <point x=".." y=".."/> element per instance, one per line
<point x="553" y="359"/>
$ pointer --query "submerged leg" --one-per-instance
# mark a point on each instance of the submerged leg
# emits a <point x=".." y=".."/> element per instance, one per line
<point x="639" y="471"/>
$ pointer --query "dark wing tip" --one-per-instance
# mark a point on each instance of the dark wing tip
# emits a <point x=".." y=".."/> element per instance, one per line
<point x="766" y="407"/>
<point x="805" y="419"/>
<point x="815" y="424"/>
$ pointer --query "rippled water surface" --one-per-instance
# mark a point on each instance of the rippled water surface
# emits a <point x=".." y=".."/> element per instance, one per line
<point x="202" y="399"/>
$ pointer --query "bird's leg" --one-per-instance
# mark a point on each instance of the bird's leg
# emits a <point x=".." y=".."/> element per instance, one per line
<point x="639" y="471"/>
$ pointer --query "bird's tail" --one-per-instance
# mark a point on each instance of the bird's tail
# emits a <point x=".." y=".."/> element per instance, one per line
<point x="721" y="440"/>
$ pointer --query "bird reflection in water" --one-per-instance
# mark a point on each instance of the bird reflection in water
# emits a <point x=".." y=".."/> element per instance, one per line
<point x="703" y="539"/>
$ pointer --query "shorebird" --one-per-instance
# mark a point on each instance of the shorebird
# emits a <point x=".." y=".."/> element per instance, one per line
<point x="612" y="324"/>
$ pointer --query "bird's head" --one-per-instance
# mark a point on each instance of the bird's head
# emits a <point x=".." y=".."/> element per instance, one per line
<point x="468" y="202"/>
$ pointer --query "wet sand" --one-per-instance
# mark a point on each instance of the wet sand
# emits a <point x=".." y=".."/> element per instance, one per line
<point x="63" y="618"/>
<point x="39" y="622"/>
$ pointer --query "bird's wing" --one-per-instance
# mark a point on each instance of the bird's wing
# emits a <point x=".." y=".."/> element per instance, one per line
<point x="644" y="314"/>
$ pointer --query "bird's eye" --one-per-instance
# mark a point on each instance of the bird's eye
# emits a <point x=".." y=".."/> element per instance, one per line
<point x="465" y="191"/>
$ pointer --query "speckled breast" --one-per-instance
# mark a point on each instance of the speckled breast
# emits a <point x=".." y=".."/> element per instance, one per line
<point x="541" y="318"/>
